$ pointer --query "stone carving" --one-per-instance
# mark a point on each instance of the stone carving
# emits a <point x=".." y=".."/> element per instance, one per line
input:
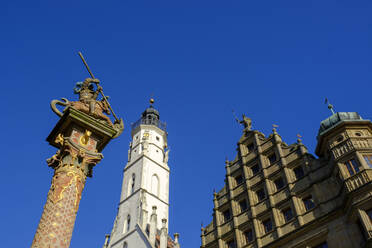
<point x="247" y="122"/>
<point x="55" y="160"/>
<point x="361" y="143"/>
<point x="357" y="180"/>
<point x="342" y="148"/>
<point x="166" y="156"/>
<point x="89" y="104"/>
<point x="145" y="146"/>
<point x="74" y="156"/>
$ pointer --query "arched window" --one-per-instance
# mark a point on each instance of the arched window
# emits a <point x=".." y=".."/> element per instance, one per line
<point x="133" y="182"/>
<point x="126" y="224"/>
<point x="125" y="245"/>
<point x="155" y="185"/>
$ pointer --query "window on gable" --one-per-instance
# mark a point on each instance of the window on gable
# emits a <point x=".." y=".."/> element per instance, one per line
<point x="287" y="214"/>
<point x="299" y="172"/>
<point x="279" y="183"/>
<point x="226" y="215"/>
<point x="322" y="245"/>
<point x="352" y="166"/>
<point x="238" y="179"/>
<point x="250" y="147"/>
<point x="255" y="169"/>
<point x="368" y="159"/>
<point x="231" y="244"/>
<point x="272" y="158"/>
<point x="248" y="236"/>
<point x="267" y="224"/>
<point x="243" y="205"/>
<point x="308" y="202"/>
<point x="155" y="185"/>
<point x="261" y="194"/>
<point x="369" y="212"/>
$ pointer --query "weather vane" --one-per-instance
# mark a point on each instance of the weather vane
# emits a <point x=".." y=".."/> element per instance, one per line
<point x="330" y="106"/>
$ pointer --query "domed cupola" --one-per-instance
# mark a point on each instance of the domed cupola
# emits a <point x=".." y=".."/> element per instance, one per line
<point x="150" y="117"/>
<point x="340" y="133"/>
<point x="336" y="119"/>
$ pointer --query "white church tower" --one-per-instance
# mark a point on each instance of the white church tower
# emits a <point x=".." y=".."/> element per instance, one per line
<point x="142" y="218"/>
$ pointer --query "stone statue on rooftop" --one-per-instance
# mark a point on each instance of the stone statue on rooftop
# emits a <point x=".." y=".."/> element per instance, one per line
<point x="246" y="122"/>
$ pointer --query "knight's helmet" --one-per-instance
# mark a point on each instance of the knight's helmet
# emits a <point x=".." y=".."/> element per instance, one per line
<point x="86" y="89"/>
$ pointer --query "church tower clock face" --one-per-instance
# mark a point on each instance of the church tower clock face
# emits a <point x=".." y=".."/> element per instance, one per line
<point x="144" y="200"/>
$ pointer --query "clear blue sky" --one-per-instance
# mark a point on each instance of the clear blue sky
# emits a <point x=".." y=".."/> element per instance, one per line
<point x="275" y="61"/>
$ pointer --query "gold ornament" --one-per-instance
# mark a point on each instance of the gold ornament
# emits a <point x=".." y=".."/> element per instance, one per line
<point x="85" y="138"/>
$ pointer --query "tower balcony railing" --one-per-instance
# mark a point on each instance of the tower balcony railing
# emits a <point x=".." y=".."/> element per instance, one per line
<point x="154" y="122"/>
<point x="358" y="180"/>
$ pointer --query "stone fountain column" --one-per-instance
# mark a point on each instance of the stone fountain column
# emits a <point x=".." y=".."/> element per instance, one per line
<point x="79" y="138"/>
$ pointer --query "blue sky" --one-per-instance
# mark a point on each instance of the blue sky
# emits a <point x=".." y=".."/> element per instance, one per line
<point x="275" y="61"/>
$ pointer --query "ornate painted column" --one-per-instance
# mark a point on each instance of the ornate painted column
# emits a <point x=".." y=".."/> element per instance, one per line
<point x="80" y="135"/>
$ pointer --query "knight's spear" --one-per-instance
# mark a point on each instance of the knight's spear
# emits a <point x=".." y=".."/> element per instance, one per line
<point x="100" y="89"/>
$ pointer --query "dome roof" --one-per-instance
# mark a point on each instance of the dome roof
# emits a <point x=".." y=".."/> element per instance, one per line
<point x="151" y="111"/>
<point x="337" y="118"/>
<point x="150" y="117"/>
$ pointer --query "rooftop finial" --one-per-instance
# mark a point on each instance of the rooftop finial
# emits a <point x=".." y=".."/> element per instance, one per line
<point x="330" y="106"/>
<point x="299" y="138"/>
<point x="152" y="99"/>
<point x="274" y="128"/>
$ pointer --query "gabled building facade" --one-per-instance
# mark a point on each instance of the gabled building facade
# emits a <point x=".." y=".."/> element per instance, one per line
<point x="143" y="212"/>
<point x="279" y="195"/>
